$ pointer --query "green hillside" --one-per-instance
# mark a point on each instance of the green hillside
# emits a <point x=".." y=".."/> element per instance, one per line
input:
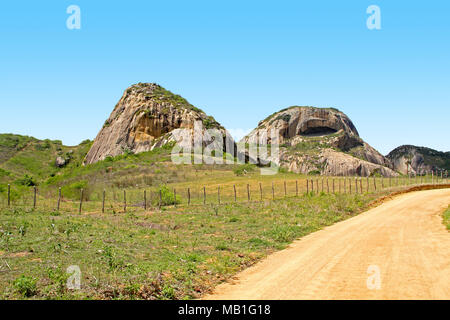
<point x="27" y="158"/>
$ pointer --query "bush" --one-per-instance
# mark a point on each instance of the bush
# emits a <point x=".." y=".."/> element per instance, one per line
<point x="244" y="169"/>
<point x="26" y="180"/>
<point x="167" y="197"/>
<point x="26" y="286"/>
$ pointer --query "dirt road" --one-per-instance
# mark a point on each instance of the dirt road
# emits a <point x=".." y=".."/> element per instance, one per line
<point x="399" y="250"/>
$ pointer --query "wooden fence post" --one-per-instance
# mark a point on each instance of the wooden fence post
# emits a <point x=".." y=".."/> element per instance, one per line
<point x="350" y="183"/>
<point x="273" y="192"/>
<point x="248" y="192"/>
<point x="261" y="191"/>
<point x="307" y="185"/>
<point x="189" y="196"/>
<point x="59" y="199"/>
<point x="356" y="185"/>
<point x="124" y="201"/>
<point x="312" y="186"/>
<point x="145" y="199"/>
<point x="296" y="188"/>
<point x="345" y="185"/>
<point x="175" y="197"/>
<point x="103" y="201"/>
<point x="368" y="184"/>
<point x="34" y="197"/>
<point x="218" y="194"/>
<point x="317" y="185"/>
<point x="375" y="183"/>
<point x="204" y="195"/>
<point x="235" y="197"/>
<point x="81" y="201"/>
<point x="322" y="184"/>
<point x="9" y="195"/>
<point x="285" y="191"/>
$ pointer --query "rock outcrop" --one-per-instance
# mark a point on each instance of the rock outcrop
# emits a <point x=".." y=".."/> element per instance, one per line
<point x="321" y="141"/>
<point x="148" y="116"/>
<point x="419" y="160"/>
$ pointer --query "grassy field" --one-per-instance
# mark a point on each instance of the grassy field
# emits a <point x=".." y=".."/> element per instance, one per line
<point x="169" y="254"/>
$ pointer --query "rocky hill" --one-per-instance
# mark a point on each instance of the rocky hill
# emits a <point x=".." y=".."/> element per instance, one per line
<point x="149" y="116"/>
<point x="418" y="160"/>
<point x="27" y="160"/>
<point x="321" y="141"/>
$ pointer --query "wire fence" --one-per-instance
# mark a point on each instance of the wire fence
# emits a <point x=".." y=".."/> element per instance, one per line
<point x="128" y="200"/>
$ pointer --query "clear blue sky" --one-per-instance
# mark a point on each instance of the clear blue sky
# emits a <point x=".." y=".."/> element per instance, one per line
<point x="237" y="60"/>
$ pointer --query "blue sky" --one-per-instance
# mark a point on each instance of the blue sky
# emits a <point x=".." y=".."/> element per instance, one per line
<point x="237" y="60"/>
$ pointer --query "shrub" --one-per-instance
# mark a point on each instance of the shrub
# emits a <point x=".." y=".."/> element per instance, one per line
<point x="244" y="169"/>
<point x="26" y="180"/>
<point x="26" y="286"/>
<point x="167" y="197"/>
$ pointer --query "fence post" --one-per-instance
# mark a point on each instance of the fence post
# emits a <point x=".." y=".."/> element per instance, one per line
<point x="189" y="196"/>
<point x="218" y="194"/>
<point x="307" y="185"/>
<point x="350" y="183"/>
<point x="285" y="191"/>
<point x="145" y="199"/>
<point x="382" y="182"/>
<point x="356" y="185"/>
<point x="296" y="188"/>
<point x="317" y="185"/>
<point x="81" y="200"/>
<point x="59" y="199"/>
<point x="368" y="184"/>
<point x="9" y="195"/>
<point x="103" y="201"/>
<point x="124" y="201"/>
<point x="360" y="185"/>
<point x="345" y="185"/>
<point x="261" y="191"/>
<point x="312" y="186"/>
<point x="273" y="192"/>
<point x="323" y="184"/>
<point x="234" y="188"/>
<point x="204" y="195"/>
<point x="175" y="197"/>
<point x="34" y="197"/>
<point x="248" y="192"/>
<point x="375" y="183"/>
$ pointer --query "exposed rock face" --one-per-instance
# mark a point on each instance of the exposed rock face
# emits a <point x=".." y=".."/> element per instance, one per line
<point x="148" y="116"/>
<point x="418" y="160"/>
<point x="325" y="141"/>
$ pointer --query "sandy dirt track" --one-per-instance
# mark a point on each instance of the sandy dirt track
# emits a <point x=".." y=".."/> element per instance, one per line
<point x="404" y="238"/>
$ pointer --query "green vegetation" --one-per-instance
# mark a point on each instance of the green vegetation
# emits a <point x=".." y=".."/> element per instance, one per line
<point x="447" y="218"/>
<point x="169" y="254"/>
<point x="244" y="169"/>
